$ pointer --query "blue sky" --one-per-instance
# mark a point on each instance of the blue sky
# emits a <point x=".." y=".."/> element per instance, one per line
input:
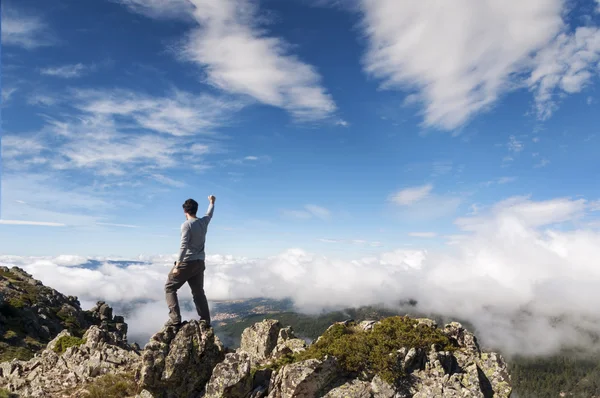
<point x="342" y="128"/>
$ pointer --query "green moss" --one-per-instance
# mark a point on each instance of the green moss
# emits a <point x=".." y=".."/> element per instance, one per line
<point x="375" y="351"/>
<point x="6" y="394"/>
<point x="8" y="353"/>
<point x="10" y="334"/>
<point x="112" y="386"/>
<point x="67" y="341"/>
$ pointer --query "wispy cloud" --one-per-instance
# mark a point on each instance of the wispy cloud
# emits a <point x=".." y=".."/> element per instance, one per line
<point x="263" y="66"/>
<point x="408" y="196"/>
<point x="23" y="29"/>
<point x="247" y="160"/>
<point x="422" y="234"/>
<point x="515" y="145"/>
<point x="309" y="212"/>
<point x="565" y="66"/>
<point x="441" y="168"/>
<point x="66" y="71"/>
<point x="168" y="181"/>
<point x="458" y="61"/>
<point x="120" y="132"/>
<point x="542" y="163"/>
<point x="7" y="93"/>
<point x="179" y="114"/>
<point x="421" y="203"/>
<point x="34" y="223"/>
<point x="160" y="9"/>
<point x="117" y="225"/>
<point x="239" y="57"/>
<point x="500" y="181"/>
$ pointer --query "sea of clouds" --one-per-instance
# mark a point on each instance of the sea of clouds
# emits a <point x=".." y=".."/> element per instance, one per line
<point x="525" y="274"/>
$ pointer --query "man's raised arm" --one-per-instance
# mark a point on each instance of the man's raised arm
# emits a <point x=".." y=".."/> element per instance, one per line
<point x="211" y="209"/>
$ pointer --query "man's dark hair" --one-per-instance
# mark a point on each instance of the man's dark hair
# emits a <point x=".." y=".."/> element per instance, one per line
<point x="190" y="206"/>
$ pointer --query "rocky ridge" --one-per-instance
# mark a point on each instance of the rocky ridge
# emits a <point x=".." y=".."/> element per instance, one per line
<point x="271" y="361"/>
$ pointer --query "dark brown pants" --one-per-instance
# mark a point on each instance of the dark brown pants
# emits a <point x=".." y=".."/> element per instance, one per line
<point x="193" y="273"/>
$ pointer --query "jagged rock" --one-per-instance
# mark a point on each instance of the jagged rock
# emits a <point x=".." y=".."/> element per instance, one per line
<point x="180" y="363"/>
<point x="260" y="339"/>
<point x="287" y="343"/>
<point x="304" y="379"/>
<point x="464" y="339"/>
<point x="50" y="373"/>
<point x="367" y="325"/>
<point x="382" y="389"/>
<point x="351" y="389"/>
<point x="231" y="378"/>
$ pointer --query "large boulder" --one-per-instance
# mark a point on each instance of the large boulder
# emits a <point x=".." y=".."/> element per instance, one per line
<point x="260" y="339"/>
<point x="179" y="363"/>
<point x="309" y="378"/>
<point x="232" y="378"/>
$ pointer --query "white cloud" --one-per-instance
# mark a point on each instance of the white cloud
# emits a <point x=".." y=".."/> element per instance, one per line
<point x="65" y="71"/>
<point x="499" y="181"/>
<point x="7" y="93"/>
<point x="41" y="99"/>
<point x="309" y="211"/>
<point x="514" y="145"/>
<point x="180" y="114"/>
<point x="160" y="9"/>
<point x="567" y="65"/>
<point x="318" y="211"/>
<point x="461" y="58"/>
<point x="509" y="278"/>
<point x="239" y="57"/>
<point x="51" y="200"/>
<point x="422" y="234"/>
<point x="419" y="203"/>
<point x="168" y="181"/>
<point x="441" y="168"/>
<point x="342" y="123"/>
<point x="542" y="163"/>
<point x="36" y="223"/>
<point x="408" y="196"/>
<point x="118" y="133"/>
<point x="528" y="213"/>
<point x="23" y="30"/>
<point x="506" y="180"/>
<point x="117" y="225"/>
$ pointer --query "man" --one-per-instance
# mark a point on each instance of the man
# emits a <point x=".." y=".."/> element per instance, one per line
<point x="190" y="266"/>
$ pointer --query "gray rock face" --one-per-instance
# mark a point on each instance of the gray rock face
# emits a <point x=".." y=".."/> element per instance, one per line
<point x="50" y="374"/>
<point x="260" y="339"/>
<point x="304" y="379"/>
<point x="231" y="378"/>
<point x="351" y="389"/>
<point x="180" y="363"/>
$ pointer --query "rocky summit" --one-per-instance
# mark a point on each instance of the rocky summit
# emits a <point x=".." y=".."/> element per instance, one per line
<point x="87" y="355"/>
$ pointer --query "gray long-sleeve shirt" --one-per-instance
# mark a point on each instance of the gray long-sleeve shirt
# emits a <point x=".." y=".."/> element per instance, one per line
<point x="193" y="236"/>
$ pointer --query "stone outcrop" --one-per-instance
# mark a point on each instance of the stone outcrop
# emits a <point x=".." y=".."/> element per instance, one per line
<point x="52" y="372"/>
<point x="32" y="314"/>
<point x="427" y="372"/>
<point x="179" y="363"/>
